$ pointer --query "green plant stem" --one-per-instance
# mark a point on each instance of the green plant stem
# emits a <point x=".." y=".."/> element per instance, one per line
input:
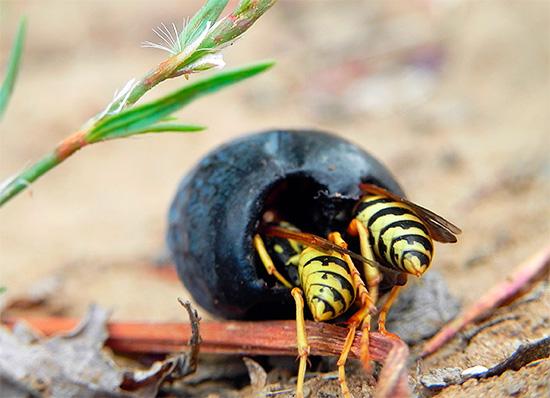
<point x="137" y="120"/>
<point x="65" y="149"/>
<point x="121" y="119"/>
<point x="244" y="16"/>
<point x="155" y="76"/>
<point x="231" y="27"/>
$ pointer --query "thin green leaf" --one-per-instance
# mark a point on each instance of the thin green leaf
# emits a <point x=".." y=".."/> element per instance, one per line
<point x="156" y="128"/>
<point x="140" y="118"/>
<point x="13" y="66"/>
<point x="210" y="12"/>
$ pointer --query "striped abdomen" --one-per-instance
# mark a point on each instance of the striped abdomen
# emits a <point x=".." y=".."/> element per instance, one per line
<point x="397" y="235"/>
<point x="285" y="253"/>
<point x="326" y="282"/>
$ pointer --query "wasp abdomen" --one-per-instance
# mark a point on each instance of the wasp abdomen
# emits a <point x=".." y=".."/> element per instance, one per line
<point x="398" y="236"/>
<point x="327" y="284"/>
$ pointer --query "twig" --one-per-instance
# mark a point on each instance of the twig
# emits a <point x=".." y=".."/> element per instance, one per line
<point x="230" y="337"/>
<point x="522" y="275"/>
<point x="186" y="361"/>
<point x="393" y="380"/>
<point x="249" y="338"/>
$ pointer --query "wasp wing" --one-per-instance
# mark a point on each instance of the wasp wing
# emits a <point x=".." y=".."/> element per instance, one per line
<point x="440" y="229"/>
<point x="311" y="240"/>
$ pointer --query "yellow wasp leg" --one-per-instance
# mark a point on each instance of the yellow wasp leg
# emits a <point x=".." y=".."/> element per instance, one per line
<point x="343" y="358"/>
<point x="384" y="311"/>
<point x="371" y="272"/>
<point x="267" y="262"/>
<point x="363" y="294"/>
<point x="301" y="337"/>
<point x="373" y="279"/>
<point x="361" y="316"/>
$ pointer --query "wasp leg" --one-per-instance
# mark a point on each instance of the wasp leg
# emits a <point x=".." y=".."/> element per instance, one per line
<point x="384" y="311"/>
<point x="343" y="358"/>
<point x="373" y="279"/>
<point x="267" y="262"/>
<point x="365" y="298"/>
<point x="371" y="273"/>
<point x="301" y="337"/>
<point x="362" y="316"/>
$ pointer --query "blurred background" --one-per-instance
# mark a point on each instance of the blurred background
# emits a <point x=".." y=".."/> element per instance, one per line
<point x="452" y="96"/>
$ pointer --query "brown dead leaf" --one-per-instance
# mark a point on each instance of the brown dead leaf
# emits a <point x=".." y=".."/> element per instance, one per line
<point x="257" y="374"/>
<point x="72" y="364"/>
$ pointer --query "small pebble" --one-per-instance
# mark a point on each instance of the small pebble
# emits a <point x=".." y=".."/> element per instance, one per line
<point x="474" y="371"/>
<point x="440" y="378"/>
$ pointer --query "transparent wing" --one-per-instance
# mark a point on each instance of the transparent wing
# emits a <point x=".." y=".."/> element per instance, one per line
<point x="440" y="229"/>
<point x="311" y="240"/>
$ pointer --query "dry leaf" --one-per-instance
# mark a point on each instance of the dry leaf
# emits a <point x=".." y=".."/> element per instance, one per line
<point x="73" y="364"/>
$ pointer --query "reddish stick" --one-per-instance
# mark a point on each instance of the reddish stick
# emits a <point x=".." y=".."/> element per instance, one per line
<point x="249" y="338"/>
<point x="230" y="337"/>
<point x="522" y="275"/>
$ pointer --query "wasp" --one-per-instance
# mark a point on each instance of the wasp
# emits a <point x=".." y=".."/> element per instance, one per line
<point x="393" y="233"/>
<point x="328" y="277"/>
<point x="399" y="234"/>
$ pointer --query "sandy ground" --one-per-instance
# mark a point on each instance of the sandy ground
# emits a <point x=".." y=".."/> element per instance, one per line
<point x="452" y="96"/>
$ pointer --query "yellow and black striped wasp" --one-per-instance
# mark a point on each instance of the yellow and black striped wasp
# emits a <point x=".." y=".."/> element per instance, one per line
<point x="393" y="233"/>
<point x="328" y="278"/>
<point x="399" y="234"/>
